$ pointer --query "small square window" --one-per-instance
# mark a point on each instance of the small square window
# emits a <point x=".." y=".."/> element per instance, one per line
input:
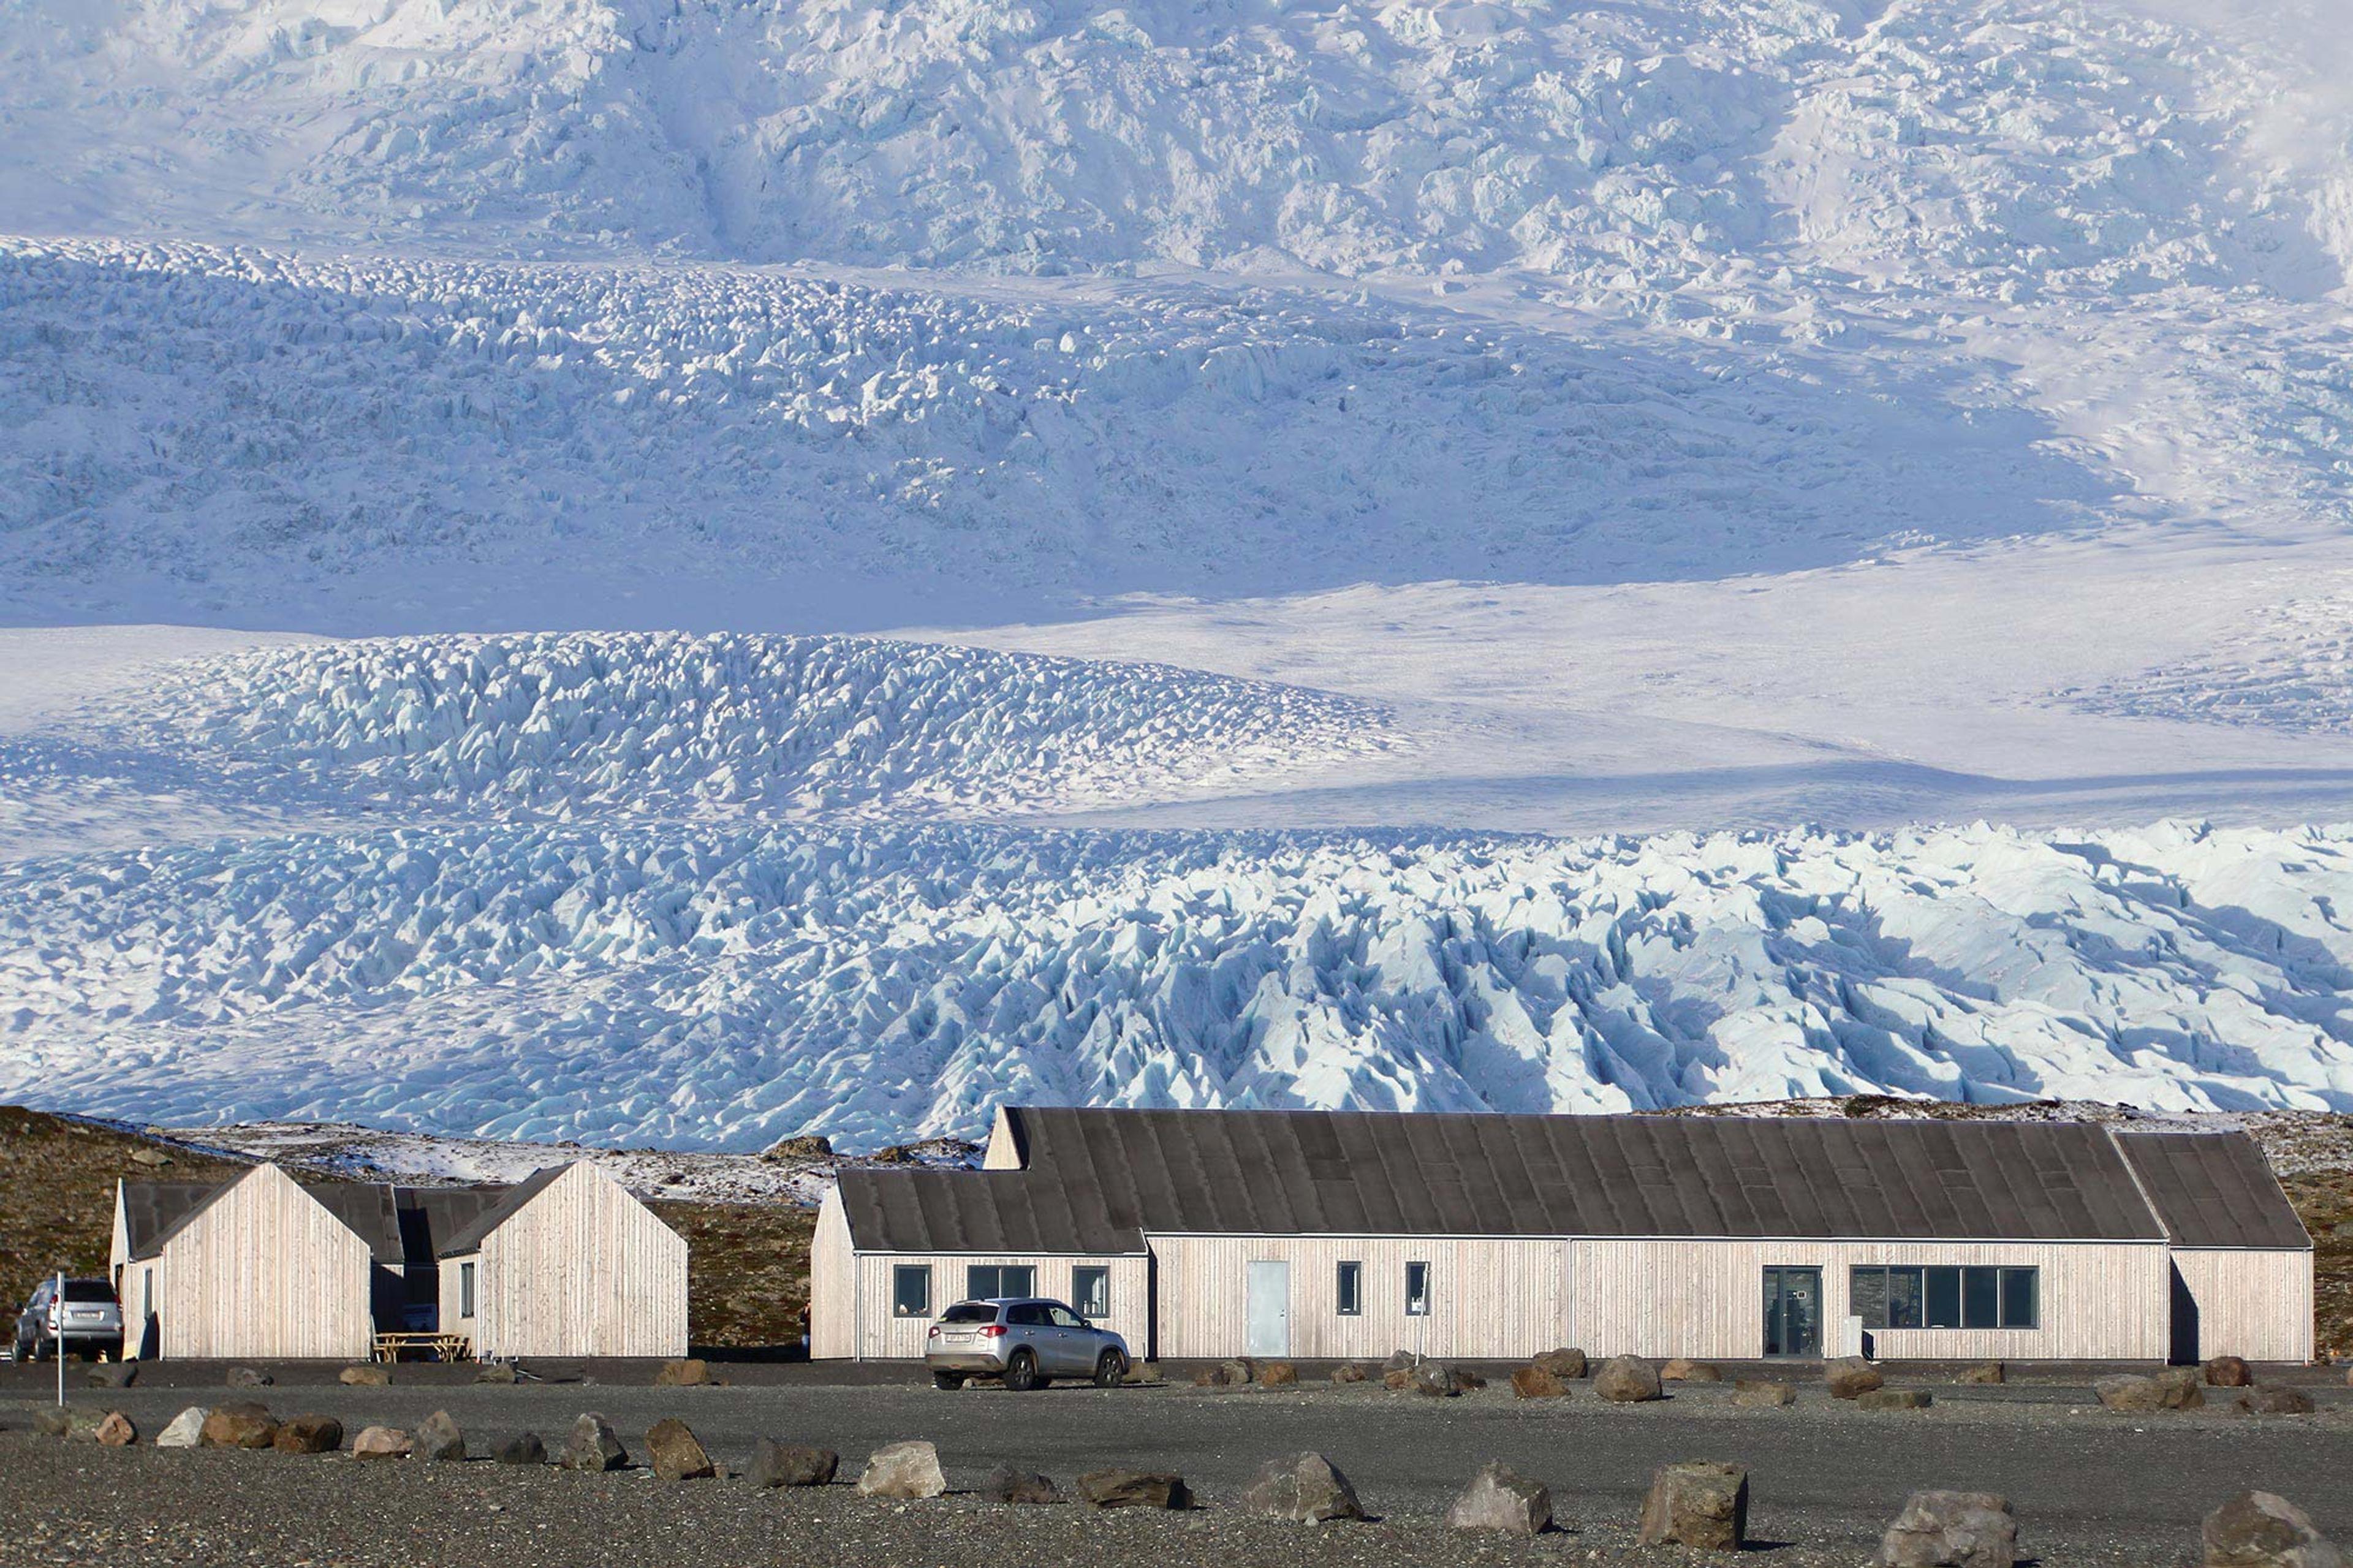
<point x="1417" y="1290"/>
<point x="1091" y="1290"/>
<point x="910" y="1290"/>
<point x="1349" y="1290"/>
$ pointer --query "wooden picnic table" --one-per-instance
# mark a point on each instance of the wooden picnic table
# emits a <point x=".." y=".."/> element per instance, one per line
<point x="442" y="1347"/>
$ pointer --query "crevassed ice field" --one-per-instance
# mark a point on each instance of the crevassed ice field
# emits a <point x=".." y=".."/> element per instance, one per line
<point x="629" y="571"/>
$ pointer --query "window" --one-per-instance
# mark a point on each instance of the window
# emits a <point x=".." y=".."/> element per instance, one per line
<point x="910" y="1290"/>
<point x="465" y="1290"/>
<point x="1091" y="1291"/>
<point x="146" y="1292"/>
<point x="1062" y="1317"/>
<point x="1976" y="1296"/>
<point x="969" y="1313"/>
<point x="982" y="1281"/>
<point x="1029" y="1315"/>
<point x="1348" y="1291"/>
<point x="1417" y="1290"/>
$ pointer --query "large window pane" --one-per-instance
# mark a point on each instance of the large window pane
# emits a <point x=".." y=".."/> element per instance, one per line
<point x="1091" y="1290"/>
<point x="1867" y="1296"/>
<point x="1944" y="1297"/>
<point x="1980" y="1298"/>
<point x="983" y="1280"/>
<point x="2020" y="1309"/>
<point x="1903" y="1298"/>
<point x="910" y="1290"/>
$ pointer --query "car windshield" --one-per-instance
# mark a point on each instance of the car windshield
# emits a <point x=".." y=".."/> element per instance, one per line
<point x="89" y="1290"/>
<point x="969" y="1313"/>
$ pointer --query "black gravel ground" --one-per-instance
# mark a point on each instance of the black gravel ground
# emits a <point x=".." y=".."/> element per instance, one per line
<point x="2088" y="1486"/>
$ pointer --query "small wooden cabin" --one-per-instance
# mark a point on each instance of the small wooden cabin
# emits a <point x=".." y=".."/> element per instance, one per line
<point x="568" y="1263"/>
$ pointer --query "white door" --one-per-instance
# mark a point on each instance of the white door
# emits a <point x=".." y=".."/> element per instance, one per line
<point x="1269" y="1308"/>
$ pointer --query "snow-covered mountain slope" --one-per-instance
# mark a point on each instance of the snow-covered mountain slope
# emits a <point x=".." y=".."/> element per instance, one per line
<point x="719" y="990"/>
<point x="665" y="724"/>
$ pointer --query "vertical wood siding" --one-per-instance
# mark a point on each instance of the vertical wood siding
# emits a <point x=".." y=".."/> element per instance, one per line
<point x="2099" y="1301"/>
<point x="582" y="1269"/>
<point x="266" y="1272"/>
<point x="2252" y="1304"/>
<point x="1499" y="1299"/>
<point x="833" y="1275"/>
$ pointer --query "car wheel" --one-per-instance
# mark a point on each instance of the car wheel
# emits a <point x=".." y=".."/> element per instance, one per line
<point x="1021" y="1372"/>
<point x="947" y="1380"/>
<point x="1111" y="1370"/>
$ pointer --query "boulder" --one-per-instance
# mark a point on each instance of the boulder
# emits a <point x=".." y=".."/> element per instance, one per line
<point x="1399" y="1380"/>
<point x="1278" y="1375"/>
<point x="309" y="1435"/>
<point x="1348" y="1372"/>
<point x="115" y="1431"/>
<point x="52" y="1421"/>
<point x="1238" y="1372"/>
<point x="1697" y="1503"/>
<point x="2258" y="1530"/>
<point x="693" y="1372"/>
<point x="1683" y="1370"/>
<point x="380" y="1443"/>
<point x="1566" y="1364"/>
<point x="1850" y="1376"/>
<point x="593" y="1444"/>
<point x="1498" y="1499"/>
<point x="1895" y="1399"/>
<point x="1436" y="1379"/>
<point x="246" y="1377"/>
<point x="239" y="1425"/>
<point x="2230" y="1372"/>
<point x="82" y="1425"/>
<point x="1951" y="1530"/>
<point x="903" y="1470"/>
<point x="438" y="1438"/>
<point x="1400" y="1361"/>
<point x="2128" y="1391"/>
<point x="1990" y="1372"/>
<point x="522" y="1448"/>
<point x="497" y="1371"/>
<point x="2275" y="1401"/>
<point x="1627" y="1380"/>
<point x="1304" y="1488"/>
<point x="186" y="1430"/>
<point x="1536" y="1382"/>
<point x="1762" y="1393"/>
<point x="2178" y="1389"/>
<point x="676" y="1454"/>
<point x="365" y="1375"/>
<point x="1007" y="1484"/>
<point x="112" y="1375"/>
<point x="789" y="1465"/>
<point x="1133" y="1488"/>
<point x="1209" y="1377"/>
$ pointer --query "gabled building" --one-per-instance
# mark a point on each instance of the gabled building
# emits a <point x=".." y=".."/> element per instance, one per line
<point x="568" y="1263"/>
<point x="1339" y="1234"/>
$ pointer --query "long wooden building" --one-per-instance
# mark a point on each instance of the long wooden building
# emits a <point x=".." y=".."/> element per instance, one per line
<point x="266" y="1267"/>
<point x="1334" y="1234"/>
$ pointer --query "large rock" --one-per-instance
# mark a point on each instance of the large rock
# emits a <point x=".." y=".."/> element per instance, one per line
<point x="791" y="1464"/>
<point x="1007" y="1484"/>
<point x="1682" y="1369"/>
<point x="112" y="1375"/>
<point x="1133" y="1488"/>
<point x="1984" y="1373"/>
<point x="1498" y="1499"/>
<point x="1398" y="1379"/>
<point x="1568" y="1365"/>
<point x="2258" y="1530"/>
<point x="1697" y="1503"/>
<point x="1627" y="1380"/>
<point x="1763" y="1394"/>
<point x="309" y="1435"/>
<point x="522" y="1448"/>
<point x="380" y="1443"/>
<point x="53" y="1421"/>
<point x="1348" y="1372"/>
<point x="1436" y="1379"/>
<point x="497" y="1371"/>
<point x="187" y="1429"/>
<point x="2230" y="1372"/>
<point x="2178" y="1388"/>
<point x="1305" y="1488"/>
<point x="82" y="1425"/>
<point x="246" y="1377"/>
<point x="438" y="1438"/>
<point x="675" y="1453"/>
<point x="1238" y="1372"/>
<point x="1278" y="1375"/>
<point x="593" y="1444"/>
<point x="365" y="1375"/>
<point x="115" y="1431"/>
<point x="241" y="1425"/>
<point x="2174" y="1389"/>
<point x="1400" y="1361"/>
<point x="1536" y="1382"/>
<point x="693" y="1372"/>
<point x="1895" y="1399"/>
<point x="2275" y="1401"/>
<point x="1849" y="1377"/>
<point x="1951" y="1530"/>
<point x="903" y="1470"/>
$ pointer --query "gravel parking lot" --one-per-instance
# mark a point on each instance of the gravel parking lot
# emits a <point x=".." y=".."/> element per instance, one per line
<point x="2088" y="1485"/>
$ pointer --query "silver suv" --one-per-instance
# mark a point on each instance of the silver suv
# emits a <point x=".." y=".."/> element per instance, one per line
<point x="1028" y="1341"/>
<point x="89" y="1320"/>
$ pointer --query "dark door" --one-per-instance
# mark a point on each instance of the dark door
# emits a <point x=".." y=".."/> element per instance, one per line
<point x="1793" y="1311"/>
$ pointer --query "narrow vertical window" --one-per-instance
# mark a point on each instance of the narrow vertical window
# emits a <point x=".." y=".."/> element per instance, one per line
<point x="2020" y="1306"/>
<point x="1091" y="1291"/>
<point x="910" y="1290"/>
<point x="1944" y="1297"/>
<point x="1417" y="1290"/>
<point x="1348" y="1291"/>
<point x="1980" y="1298"/>
<point x="465" y="1290"/>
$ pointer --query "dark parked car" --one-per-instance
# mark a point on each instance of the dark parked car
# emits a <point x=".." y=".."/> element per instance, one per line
<point x="87" y="1320"/>
<point x="1028" y="1341"/>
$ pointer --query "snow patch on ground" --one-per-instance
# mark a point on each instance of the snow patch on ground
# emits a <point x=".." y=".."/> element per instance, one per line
<point x="2290" y="670"/>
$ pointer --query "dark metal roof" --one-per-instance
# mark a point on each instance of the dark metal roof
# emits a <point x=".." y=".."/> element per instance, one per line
<point x="151" y="1210"/>
<point x="1098" y="1181"/>
<point x="468" y="1237"/>
<point x="402" y="1226"/>
<point x="2213" y="1189"/>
